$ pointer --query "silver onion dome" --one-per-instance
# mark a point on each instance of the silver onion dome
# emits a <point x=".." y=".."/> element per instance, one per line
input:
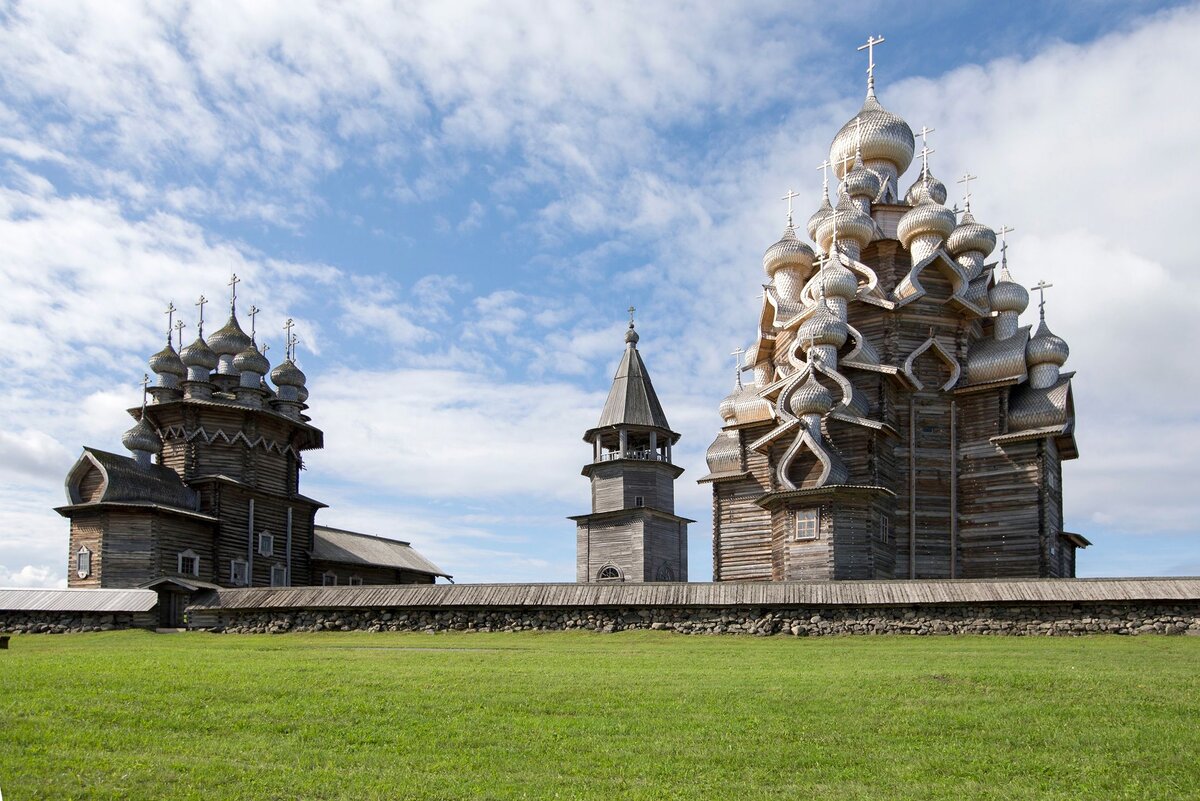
<point x="971" y="237"/>
<point x="251" y="360"/>
<point x="861" y="182"/>
<point x="287" y="374"/>
<point x="789" y="251"/>
<point x="810" y="398"/>
<point x="167" y="362"/>
<point x="818" y="217"/>
<point x="1007" y="295"/>
<point x="823" y="328"/>
<point x="838" y="281"/>
<point x="726" y="409"/>
<point x="1046" y="347"/>
<point x="928" y="217"/>
<point x="725" y="453"/>
<point x="925" y="186"/>
<point x="631" y="335"/>
<point x="199" y="354"/>
<point x="884" y="136"/>
<point x="142" y="437"/>
<point x="851" y="223"/>
<point x="229" y="339"/>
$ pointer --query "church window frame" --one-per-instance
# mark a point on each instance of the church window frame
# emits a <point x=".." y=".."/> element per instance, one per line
<point x="266" y="543"/>
<point x="329" y="579"/>
<point x="639" y="500"/>
<point x="355" y="581"/>
<point x="187" y="563"/>
<point x="806" y="524"/>
<point x="239" y="572"/>
<point x="83" y="562"/>
<point x="609" y="573"/>
<point x="884" y="533"/>
<point x="279" y="575"/>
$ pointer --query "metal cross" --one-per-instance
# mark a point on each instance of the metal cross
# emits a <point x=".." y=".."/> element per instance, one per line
<point x="1041" y="288"/>
<point x="179" y="326"/>
<point x="201" y="303"/>
<point x="925" y="160"/>
<point x="145" y="386"/>
<point x="737" y="372"/>
<point x="788" y="197"/>
<point x="263" y="350"/>
<point x="824" y="168"/>
<point x="292" y="343"/>
<point x="631" y="310"/>
<point x="287" y="340"/>
<point x="233" y="282"/>
<point x="870" y="48"/>
<point x="966" y="179"/>
<point x="253" y="311"/>
<point x="1004" y="231"/>
<point x="925" y="131"/>
<point x="170" y="312"/>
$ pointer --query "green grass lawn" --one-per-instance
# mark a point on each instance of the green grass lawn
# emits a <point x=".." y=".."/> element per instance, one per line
<point x="581" y="715"/>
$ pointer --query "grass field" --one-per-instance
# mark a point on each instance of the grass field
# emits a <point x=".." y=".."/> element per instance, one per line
<point x="577" y="715"/>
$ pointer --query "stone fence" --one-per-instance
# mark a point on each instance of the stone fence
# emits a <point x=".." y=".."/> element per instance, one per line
<point x="49" y="622"/>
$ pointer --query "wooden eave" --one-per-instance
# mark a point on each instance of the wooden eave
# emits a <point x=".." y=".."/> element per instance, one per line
<point x="716" y="478"/>
<point x="218" y="478"/>
<point x="637" y="511"/>
<point x="771" y="500"/>
<point x="78" y="508"/>
<point x="588" y="468"/>
<point x="986" y="385"/>
<point x="314" y="437"/>
<point x="1078" y="540"/>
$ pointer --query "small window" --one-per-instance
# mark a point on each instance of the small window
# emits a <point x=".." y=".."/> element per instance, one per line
<point x="355" y="581"/>
<point x="279" y="577"/>
<point x="807" y="524"/>
<point x="83" y="562"/>
<point x="266" y="544"/>
<point x="885" y="525"/>
<point x="238" y="571"/>
<point x="609" y="573"/>
<point x="639" y="500"/>
<point x="189" y="563"/>
<point x="328" y="579"/>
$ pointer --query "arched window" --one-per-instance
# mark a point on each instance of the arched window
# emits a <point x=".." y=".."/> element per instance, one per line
<point x="609" y="573"/>
<point x="83" y="562"/>
<point x="664" y="573"/>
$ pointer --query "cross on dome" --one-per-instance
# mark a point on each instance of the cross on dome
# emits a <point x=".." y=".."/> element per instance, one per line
<point x="1004" y="231"/>
<point x="233" y="282"/>
<point x="737" y="362"/>
<point x="631" y="310"/>
<point x="870" y="48"/>
<point x="287" y="340"/>
<point x="1041" y="288"/>
<point x="788" y="197"/>
<point x="170" y="312"/>
<point x="200" y="327"/>
<point x="824" y="168"/>
<point x="254" y="310"/>
<point x="145" y="382"/>
<point x="179" y="326"/>
<point x="966" y="179"/>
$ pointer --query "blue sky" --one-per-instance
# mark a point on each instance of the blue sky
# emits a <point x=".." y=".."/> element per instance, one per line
<point x="458" y="201"/>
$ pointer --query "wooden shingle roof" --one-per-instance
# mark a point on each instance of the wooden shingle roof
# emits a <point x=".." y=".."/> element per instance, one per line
<point x="632" y="400"/>
<point x="353" y="548"/>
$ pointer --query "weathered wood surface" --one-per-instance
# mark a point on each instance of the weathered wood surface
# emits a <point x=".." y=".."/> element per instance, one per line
<point x="833" y="593"/>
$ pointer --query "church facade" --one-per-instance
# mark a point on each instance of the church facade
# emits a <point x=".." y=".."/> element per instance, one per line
<point x="210" y="495"/>
<point x="901" y="422"/>
<point x="632" y="533"/>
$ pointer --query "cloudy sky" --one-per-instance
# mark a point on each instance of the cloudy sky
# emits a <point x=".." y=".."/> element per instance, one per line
<point x="457" y="201"/>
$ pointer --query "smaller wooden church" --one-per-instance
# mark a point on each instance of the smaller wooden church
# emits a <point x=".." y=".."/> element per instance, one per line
<point x="210" y="496"/>
<point x="632" y="533"/>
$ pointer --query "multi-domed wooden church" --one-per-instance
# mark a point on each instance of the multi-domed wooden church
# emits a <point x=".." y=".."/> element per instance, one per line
<point x="901" y="422"/>
<point x="210" y="496"/>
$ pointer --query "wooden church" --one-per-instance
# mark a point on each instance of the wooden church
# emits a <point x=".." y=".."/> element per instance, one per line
<point x="211" y="494"/>
<point x="901" y="422"/>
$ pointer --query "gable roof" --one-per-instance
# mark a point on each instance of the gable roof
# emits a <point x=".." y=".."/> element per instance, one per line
<point x="632" y="400"/>
<point x="353" y="548"/>
<point x="124" y="480"/>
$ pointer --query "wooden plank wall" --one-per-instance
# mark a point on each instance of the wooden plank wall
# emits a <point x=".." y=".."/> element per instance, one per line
<point x="86" y="529"/>
<point x="128" y="549"/>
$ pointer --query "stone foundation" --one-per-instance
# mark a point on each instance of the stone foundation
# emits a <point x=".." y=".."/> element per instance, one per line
<point x="1130" y="618"/>
<point x="13" y="622"/>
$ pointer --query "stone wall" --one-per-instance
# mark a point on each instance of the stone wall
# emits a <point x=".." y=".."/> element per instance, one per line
<point x="63" y="622"/>
<point x="1132" y="617"/>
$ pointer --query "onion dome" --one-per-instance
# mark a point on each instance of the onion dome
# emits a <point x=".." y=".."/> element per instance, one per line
<point x="839" y="282"/>
<point x="861" y="182"/>
<point x="251" y="360"/>
<point x="631" y="336"/>
<point x="199" y="354"/>
<point x="810" y="398"/>
<point x="726" y="409"/>
<point x="788" y="252"/>
<point x="287" y="374"/>
<point x="1007" y="295"/>
<point x="925" y="186"/>
<point x="229" y="339"/>
<point x="884" y="136"/>
<point x="725" y="453"/>
<point x="971" y="237"/>
<point x="818" y="217"/>
<point x="142" y="437"/>
<point x="302" y="394"/>
<point x="167" y="362"/>
<point x="1045" y="347"/>
<point x="852" y="223"/>
<point x="823" y="328"/>
<point x="926" y="218"/>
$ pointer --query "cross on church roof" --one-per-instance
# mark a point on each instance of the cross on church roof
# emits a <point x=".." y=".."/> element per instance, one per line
<point x="870" y="48"/>
<point x="1041" y="288"/>
<point x="170" y="312"/>
<point x="1004" y="231"/>
<point x="737" y="360"/>
<point x="200" y="327"/>
<point x="631" y="310"/>
<point x="788" y="197"/>
<point x="179" y="326"/>
<point x="253" y="311"/>
<point x="233" y="282"/>
<point x="824" y="168"/>
<point x="145" y="382"/>
<point x="287" y="341"/>
<point x="966" y="179"/>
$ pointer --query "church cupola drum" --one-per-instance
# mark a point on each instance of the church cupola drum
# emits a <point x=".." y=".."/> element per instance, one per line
<point x="632" y="533"/>
<point x="901" y="422"/>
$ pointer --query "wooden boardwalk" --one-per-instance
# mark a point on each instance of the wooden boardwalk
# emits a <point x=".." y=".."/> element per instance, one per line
<point x="725" y="594"/>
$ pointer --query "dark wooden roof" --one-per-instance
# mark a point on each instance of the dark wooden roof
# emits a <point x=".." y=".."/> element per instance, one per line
<point x="759" y="593"/>
<point x="128" y="482"/>
<point x="632" y="400"/>
<point x="353" y="548"/>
